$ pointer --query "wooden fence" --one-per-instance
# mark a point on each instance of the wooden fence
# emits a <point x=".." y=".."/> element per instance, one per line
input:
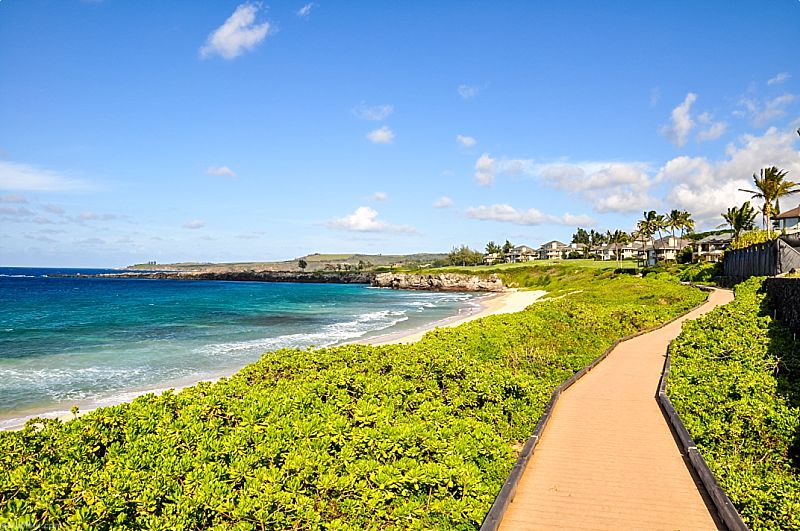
<point x="763" y="259"/>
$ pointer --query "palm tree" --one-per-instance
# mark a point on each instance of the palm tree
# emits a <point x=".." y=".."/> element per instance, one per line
<point x="617" y="238"/>
<point x="647" y="227"/>
<point x="770" y="186"/>
<point x="674" y="221"/>
<point x="740" y="219"/>
<point x="686" y="222"/>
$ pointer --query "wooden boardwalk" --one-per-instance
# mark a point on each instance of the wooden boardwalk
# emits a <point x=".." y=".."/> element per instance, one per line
<point x="607" y="459"/>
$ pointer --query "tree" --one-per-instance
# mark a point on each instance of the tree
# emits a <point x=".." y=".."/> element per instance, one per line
<point x="686" y="223"/>
<point x="647" y="227"/>
<point x="493" y="248"/>
<point x="617" y="238"/>
<point x="302" y="264"/>
<point x="581" y="236"/>
<point x="464" y="256"/>
<point x="771" y="185"/>
<point x="508" y="247"/>
<point x="674" y="221"/>
<point x="660" y="224"/>
<point x="740" y="219"/>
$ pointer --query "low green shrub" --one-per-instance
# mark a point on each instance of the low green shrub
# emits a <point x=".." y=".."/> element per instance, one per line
<point x="702" y="272"/>
<point x="735" y="382"/>
<point x="417" y="436"/>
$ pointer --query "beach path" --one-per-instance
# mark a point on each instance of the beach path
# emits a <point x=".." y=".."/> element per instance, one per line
<point x="607" y="458"/>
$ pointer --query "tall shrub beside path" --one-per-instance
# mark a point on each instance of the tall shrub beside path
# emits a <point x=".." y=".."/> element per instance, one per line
<point x="735" y="382"/>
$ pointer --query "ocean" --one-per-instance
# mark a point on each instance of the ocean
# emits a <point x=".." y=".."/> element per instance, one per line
<point x="92" y="342"/>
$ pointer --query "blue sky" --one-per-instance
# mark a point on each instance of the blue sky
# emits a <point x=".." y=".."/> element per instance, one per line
<point x="222" y="131"/>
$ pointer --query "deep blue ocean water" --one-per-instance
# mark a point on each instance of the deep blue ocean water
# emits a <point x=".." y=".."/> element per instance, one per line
<point x="90" y="342"/>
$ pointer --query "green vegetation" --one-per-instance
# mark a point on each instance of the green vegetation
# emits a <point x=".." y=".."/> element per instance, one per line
<point x="417" y="436"/>
<point x="702" y="272"/>
<point x="464" y="256"/>
<point x="735" y="381"/>
<point x="753" y="237"/>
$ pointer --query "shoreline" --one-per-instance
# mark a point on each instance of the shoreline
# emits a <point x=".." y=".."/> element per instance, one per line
<point x="509" y="301"/>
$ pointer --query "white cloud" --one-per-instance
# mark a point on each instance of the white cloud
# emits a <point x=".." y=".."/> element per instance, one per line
<point x="443" y="202"/>
<point x="779" y="78"/>
<point x="194" y="224"/>
<point x="488" y="168"/>
<point x="468" y="91"/>
<point x="508" y="214"/>
<point x="712" y="130"/>
<point x="594" y="175"/>
<point x="761" y="113"/>
<point x="681" y="122"/>
<point x="237" y="35"/>
<point x="384" y="135"/>
<point x="365" y="219"/>
<point x="373" y="113"/>
<point x="13" y="198"/>
<point x="380" y="196"/>
<point x="16" y="176"/>
<point x="774" y="108"/>
<point x="485" y="170"/>
<point x="466" y="141"/>
<point x="54" y="209"/>
<point x="608" y="186"/>
<point x="624" y="200"/>
<point x="220" y="171"/>
<point x="706" y="188"/>
<point x="304" y="11"/>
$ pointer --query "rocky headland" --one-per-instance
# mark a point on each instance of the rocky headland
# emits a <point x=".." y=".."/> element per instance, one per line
<point x="412" y="281"/>
<point x="438" y="282"/>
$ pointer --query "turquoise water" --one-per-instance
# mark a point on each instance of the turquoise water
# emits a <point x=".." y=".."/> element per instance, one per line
<point x="90" y="342"/>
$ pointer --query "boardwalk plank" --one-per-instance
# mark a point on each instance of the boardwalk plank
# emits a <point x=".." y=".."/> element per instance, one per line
<point x="607" y="459"/>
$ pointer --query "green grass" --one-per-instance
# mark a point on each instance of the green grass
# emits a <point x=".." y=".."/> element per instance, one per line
<point x="417" y="436"/>
<point x="735" y="382"/>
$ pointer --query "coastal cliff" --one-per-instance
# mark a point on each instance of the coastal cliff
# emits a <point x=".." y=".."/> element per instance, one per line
<point x="413" y="281"/>
<point x="438" y="282"/>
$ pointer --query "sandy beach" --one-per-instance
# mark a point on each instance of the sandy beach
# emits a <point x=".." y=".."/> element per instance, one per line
<point x="509" y="301"/>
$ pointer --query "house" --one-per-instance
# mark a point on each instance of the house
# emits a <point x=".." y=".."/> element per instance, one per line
<point x="492" y="258"/>
<point x="711" y="248"/>
<point x="610" y="251"/>
<point x="664" y="249"/>
<point x="789" y="221"/>
<point x="552" y="250"/>
<point x="521" y="253"/>
<point x="579" y="248"/>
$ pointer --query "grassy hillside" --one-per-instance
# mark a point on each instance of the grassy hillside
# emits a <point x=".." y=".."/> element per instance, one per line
<point x="417" y="436"/>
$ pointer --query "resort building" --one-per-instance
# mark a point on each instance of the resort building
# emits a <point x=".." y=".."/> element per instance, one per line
<point x="789" y="221"/>
<point x="492" y="258"/>
<point x="552" y="250"/>
<point x="521" y="253"/>
<point x="611" y="251"/>
<point x="664" y="249"/>
<point x="711" y="248"/>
